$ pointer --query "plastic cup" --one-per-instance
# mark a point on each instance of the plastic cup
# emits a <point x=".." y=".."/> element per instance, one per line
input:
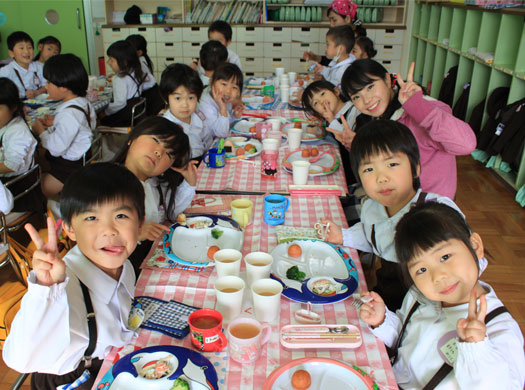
<point x="292" y="77"/>
<point x="266" y="294"/>
<point x="300" y="172"/>
<point x="285" y="93"/>
<point x="258" y="266"/>
<point x="227" y="262"/>
<point x="229" y="291"/>
<point x="279" y="71"/>
<point x="270" y="144"/>
<point x="294" y="138"/>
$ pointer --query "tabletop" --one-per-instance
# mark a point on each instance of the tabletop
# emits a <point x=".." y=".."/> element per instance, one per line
<point x="196" y="289"/>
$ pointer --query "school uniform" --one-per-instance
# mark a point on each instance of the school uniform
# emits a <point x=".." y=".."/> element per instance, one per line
<point x="151" y="90"/>
<point x="334" y="71"/>
<point x="6" y="200"/>
<point x="350" y="113"/>
<point x="205" y="80"/>
<point x="25" y="79"/>
<point x="233" y="58"/>
<point x="150" y="79"/>
<point x="218" y="125"/>
<point x="199" y="135"/>
<point x="69" y="137"/>
<point x="17" y="146"/>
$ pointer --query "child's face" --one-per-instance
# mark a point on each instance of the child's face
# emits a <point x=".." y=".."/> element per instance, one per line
<point x="22" y="53"/>
<point x="113" y="64"/>
<point x="106" y="234"/>
<point x="217" y="36"/>
<point x="182" y="103"/>
<point x="229" y="89"/>
<point x="447" y="272"/>
<point x="374" y="98"/>
<point x="331" y="49"/>
<point x="47" y="51"/>
<point x="358" y="53"/>
<point x="148" y="157"/>
<point x="326" y="102"/>
<point x="387" y="178"/>
<point x="6" y="114"/>
<point x="337" y="20"/>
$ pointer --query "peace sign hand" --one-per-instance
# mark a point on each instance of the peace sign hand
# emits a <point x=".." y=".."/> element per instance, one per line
<point x="408" y="88"/>
<point x="47" y="264"/>
<point x="347" y="136"/>
<point x="472" y="329"/>
<point x="189" y="172"/>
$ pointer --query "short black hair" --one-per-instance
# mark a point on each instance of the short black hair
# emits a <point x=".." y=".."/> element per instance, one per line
<point x="10" y="97"/>
<point x="359" y="74"/>
<point x="367" y="46"/>
<point x="176" y="75"/>
<point x="18" y="36"/>
<point x="127" y="59"/>
<point x="385" y="136"/>
<point x="140" y="43"/>
<point x="50" y="40"/>
<point x="95" y="184"/>
<point x="315" y="87"/>
<point x="222" y="27"/>
<point x="212" y="54"/>
<point x="228" y="71"/>
<point x="342" y="35"/>
<point x="67" y="70"/>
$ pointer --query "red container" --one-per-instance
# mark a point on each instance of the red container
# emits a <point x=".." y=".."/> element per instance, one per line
<point x="206" y="330"/>
<point x="101" y="66"/>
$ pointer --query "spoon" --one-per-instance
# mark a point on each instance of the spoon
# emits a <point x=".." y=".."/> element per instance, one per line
<point x="333" y="329"/>
<point x="316" y="158"/>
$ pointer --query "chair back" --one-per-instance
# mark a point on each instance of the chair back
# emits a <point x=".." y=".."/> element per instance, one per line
<point x="138" y="111"/>
<point x="94" y="153"/>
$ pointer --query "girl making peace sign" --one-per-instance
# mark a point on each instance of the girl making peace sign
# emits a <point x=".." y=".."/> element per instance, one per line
<point x="440" y="136"/>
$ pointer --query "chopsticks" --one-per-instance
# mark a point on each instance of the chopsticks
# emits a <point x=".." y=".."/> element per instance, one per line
<point x="262" y="115"/>
<point x="314" y="336"/>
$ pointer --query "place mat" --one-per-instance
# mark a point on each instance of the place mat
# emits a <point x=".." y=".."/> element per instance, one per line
<point x="291" y="233"/>
<point x="209" y="204"/>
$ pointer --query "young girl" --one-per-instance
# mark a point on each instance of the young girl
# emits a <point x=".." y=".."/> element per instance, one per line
<point x="439" y="134"/>
<point x="220" y="103"/>
<point x="47" y="47"/>
<point x="448" y="315"/>
<point x="158" y="152"/>
<point x="128" y="83"/>
<point x="68" y="137"/>
<point x="363" y="48"/>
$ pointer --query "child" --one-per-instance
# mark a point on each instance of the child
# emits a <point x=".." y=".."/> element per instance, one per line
<point x="385" y="158"/>
<point x="47" y="47"/>
<point x="221" y="31"/>
<point x="69" y="136"/>
<point x="128" y="83"/>
<point x="363" y="48"/>
<point x="212" y="54"/>
<point x="339" y="44"/>
<point x="181" y="88"/>
<point x="439" y="134"/>
<point x="141" y="46"/>
<point x="439" y="256"/>
<point x="158" y="152"/>
<point x="102" y="206"/>
<point x="220" y="103"/>
<point x="6" y="200"/>
<point x="23" y="71"/>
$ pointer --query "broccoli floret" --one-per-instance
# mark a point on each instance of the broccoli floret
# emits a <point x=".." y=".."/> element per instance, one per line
<point x="180" y="384"/>
<point x="294" y="274"/>
<point x="216" y="233"/>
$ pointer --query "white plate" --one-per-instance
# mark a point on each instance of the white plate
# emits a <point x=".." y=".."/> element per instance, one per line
<point x="243" y="125"/>
<point x="307" y="136"/>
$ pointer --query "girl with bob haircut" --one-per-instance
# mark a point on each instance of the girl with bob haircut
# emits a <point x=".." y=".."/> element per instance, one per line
<point x="47" y="47"/>
<point x="446" y="309"/>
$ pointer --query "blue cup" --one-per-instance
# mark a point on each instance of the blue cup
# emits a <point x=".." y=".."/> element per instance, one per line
<point x="214" y="159"/>
<point x="274" y="208"/>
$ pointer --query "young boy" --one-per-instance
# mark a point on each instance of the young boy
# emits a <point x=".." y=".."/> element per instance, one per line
<point x="69" y="135"/>
<point x="102" y="206"/>
<point x="47" y="47"/>
<point x="181" y="88"/>
<point x="385" y="159"/>
<point x="23" y="71"/>
<point x="212" y="54"/>
<point x="221" y="31"/>
<point x="339" y="43"/>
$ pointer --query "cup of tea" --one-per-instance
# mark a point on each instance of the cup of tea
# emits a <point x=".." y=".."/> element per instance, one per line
<point x="214" y="159"/>
<point x="242" y="211"/>
<point x="206" y="330"/>
<point x="227" y="262"/>
<point x="246" y="337"/>
<point x="275" y="207"/>
<point x="229" y="291"/>
<point x="266" y="294"/>
<point x="258" y="266"/>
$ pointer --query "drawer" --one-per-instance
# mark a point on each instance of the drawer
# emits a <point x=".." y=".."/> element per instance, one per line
<point x="110" y="35"/>
<point x="164" y="61"/>
<point x="146" y="32"/>
<point x="250" y="49"/>
<point x="169" y="49"/>
<point x="195" y="34"/>
<point x="248" y="34"/>
<point x="168" y="34"/>
<point x="391" y="66"/>
<point x="277" y="49"/>
<point x="322" y="36"/>
<point x="371" y="34"/>
<point x="152" y="49"/>
<point x="305" y="34"/>
<point x="271" y="63"/>
<point x="389" y="52"/>
<point x="191" y="49"/>
<point x="252" y="64"/>
<point x="277" y="34"/>
<point x="299" y="65"/>
<point x="389" y="37"/>
<point x="298" y="48"/>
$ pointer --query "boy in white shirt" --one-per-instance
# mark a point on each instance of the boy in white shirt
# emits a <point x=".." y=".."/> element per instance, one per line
<point x="212" y="54"/>
<point x="221" y="31"/>
<point x="102" y="206"/>
<point x="23" y="71"/>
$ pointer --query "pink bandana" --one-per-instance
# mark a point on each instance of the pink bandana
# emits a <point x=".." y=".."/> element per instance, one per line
<point x="344" y="8"/>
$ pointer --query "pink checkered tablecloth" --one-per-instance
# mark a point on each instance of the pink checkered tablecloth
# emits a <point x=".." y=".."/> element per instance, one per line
<point x="196" y="289"/>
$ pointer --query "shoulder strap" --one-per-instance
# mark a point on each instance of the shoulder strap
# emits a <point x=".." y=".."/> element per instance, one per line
<point x="87" y="114"/>
<point x="373" y="237"/>
<point x="20" y="78"/>
<point x="421" y="198"/>
<point x="92" y="325"/>
<point x="392" y="352"/>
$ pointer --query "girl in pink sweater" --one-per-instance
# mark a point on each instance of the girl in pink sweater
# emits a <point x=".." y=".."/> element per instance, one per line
<point x="440" y="136"/>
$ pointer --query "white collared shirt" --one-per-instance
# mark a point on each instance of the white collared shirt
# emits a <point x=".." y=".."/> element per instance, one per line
<point x="350" y="113"/>
<point x="155" y="211"/>
<point x="6" y="200"/>
<point x="32" y="77"/>
<point x="334" y="71"/>
<point x="197" y="132"/>
<point x="126" y="88"/>
<point x="233" y="58"/>
<point x="150" y="80"/>
<point x="18" y="147"/>
<point x="216" y="123"/>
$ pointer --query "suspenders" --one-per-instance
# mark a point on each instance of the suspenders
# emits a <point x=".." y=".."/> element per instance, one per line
<point x="87" y="114"/>
<point x="22" y="81"/>
<point x="92" y="325"/>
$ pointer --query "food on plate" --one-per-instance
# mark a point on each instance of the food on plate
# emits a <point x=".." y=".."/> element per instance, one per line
<point x="263" y="82"/>
<point x="216" y="233"/>
<point x="250" y="148"/>
<point x="306" y="77"/>
<point x="301" y="380"/>
<point x="156" y="369"/>
<point x="314" y="152"/>
<point x="181" y="219"/>
<point x="305" y="153"/>
<point x="297" y="125"/>
<point x="301" y="82"/>
<point x="295" y="250"/>
<point x="267" y="99"/>
<point x="253" y="129"/>
<point x="180" y="384"/>
<point x="239" y="152"/>
<point x="200" y="224"/>
<point x="294" y="273"/>
<point x="323" y="287"/>
<point x="211" y="251"/>
<point x="311" y="129"/>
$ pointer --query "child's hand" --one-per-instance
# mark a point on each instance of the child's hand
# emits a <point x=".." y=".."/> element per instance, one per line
<point x="408" y="88"/>
<point x="318" y="68"/>
<point x="31" y="93"/>
<point x="347" y="136"/>
<point x="189" y="172"/>
<point x="472" y="329"/>
<point x="373" y="312"/>
<point x="238" y="110"/>
<point x="38" y="126"/>
<point x="218" y="97"/>
<point x="334" y="234"/>
<point x="152" y="230"/>
<point x="47" y="264"/>
<point x="48" y="120"/>
<point x="194" y="64"/>
<point x="327" y="113"/>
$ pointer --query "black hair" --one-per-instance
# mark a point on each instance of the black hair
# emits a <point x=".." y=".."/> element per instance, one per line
<point x="228" y="71"/>
<point x="95" y="184"/>
<point x="425" y="226"/>
<point x="385" y="136"/>
<point x="315" y="87"/>
<point x="174" y="140"/>
<point x="359" y="30"/>
<point x="342" y="35"/>
<point x="10" y="97"/>
<point x="140" y="43"/>
<point x="367" y="46"/>
<point x="176" y="75"/>
<point x="67" y="70"/>
<point x="18" y="36"/>
<point x="360" y="73"/>
<point x="222" y="27"/>
<point x="127" y="59"/>
<point x="212" y="54"/>
<point x="49" y="40"/>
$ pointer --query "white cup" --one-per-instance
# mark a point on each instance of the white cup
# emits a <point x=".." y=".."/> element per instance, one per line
<point x="276" y="123"/>
<point x="291" y="77"/>
<point x="294" y="138"/>
<point x="258" y="266"/>
<point x="285" y="93"/>
<point x="300" y="172"/>
<point x="271" y="144"/>
<point x="227" y="262"/>
<point x="266" y="294"/>
<point x="284" y="79"/>
<point x="279" y="71"/>
<point x="229" y="291"/>
<point x="276" y="82"/>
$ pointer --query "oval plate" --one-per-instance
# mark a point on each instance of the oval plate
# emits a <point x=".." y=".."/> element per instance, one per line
<point x="242" y="144"/>
<point x="257" y="102"/>
<point x="326" y="165"/>
<point x="307" y="137"/>
<point x="243" y="125"/>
